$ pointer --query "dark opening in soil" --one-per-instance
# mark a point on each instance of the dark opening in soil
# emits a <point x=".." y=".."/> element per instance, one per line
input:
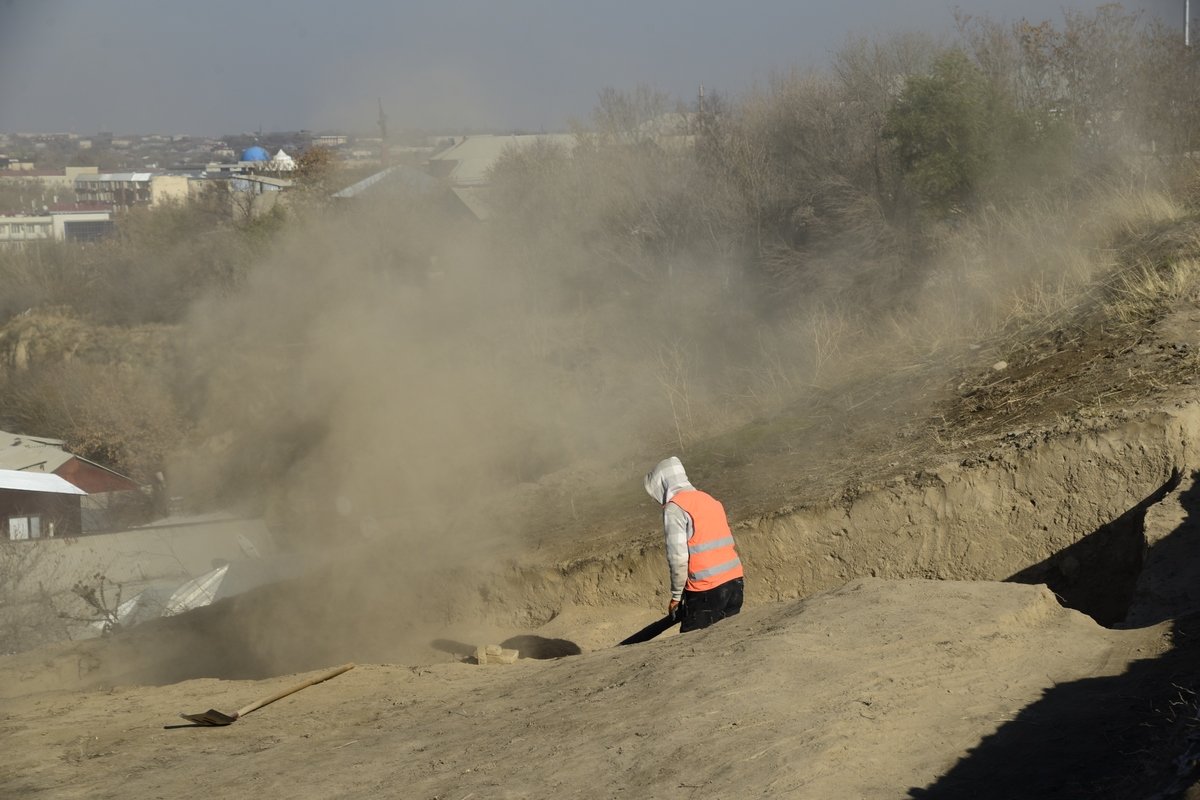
<point x="1098" y="574"/>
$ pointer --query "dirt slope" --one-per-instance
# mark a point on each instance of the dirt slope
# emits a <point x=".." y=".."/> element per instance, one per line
<point x="862" y="692"/>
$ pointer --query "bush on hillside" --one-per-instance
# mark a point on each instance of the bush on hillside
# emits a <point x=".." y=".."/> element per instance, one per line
<point x="960" y="139"/>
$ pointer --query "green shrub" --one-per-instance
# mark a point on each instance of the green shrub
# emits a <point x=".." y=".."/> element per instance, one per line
<point x="961" y="140"/>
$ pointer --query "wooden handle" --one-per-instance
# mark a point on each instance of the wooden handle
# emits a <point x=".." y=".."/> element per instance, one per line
<point x="324" y="676"/>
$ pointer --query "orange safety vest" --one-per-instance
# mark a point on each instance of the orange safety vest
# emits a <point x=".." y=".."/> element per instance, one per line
<point x="712" y="556"/>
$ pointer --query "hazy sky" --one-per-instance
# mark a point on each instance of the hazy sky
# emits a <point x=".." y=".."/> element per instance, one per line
<point x="220" y="66"/>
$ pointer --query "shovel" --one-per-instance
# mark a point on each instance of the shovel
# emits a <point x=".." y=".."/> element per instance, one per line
<point x="654" y="629"/>
<point x="214" y="717"/>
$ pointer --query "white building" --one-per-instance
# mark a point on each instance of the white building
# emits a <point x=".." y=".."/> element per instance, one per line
<point x="22" y="228"/>
<point x="55" y="179"/>
<point x="281" y="162"/>
<point x="330" y="140"/>
<point x="125" y="189"/>
<point x="77" y="224"/>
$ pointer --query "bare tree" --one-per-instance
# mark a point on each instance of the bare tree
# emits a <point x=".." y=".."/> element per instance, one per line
<point x="627" y="117"/>
<point x="28" y="617"/>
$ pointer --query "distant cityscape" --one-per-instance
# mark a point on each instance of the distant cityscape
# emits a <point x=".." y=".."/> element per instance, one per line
<point x="157" y="151"/>
<point x="73" y="187"/>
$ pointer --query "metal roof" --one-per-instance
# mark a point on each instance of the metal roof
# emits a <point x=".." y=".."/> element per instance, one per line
<point x="38" y="454"/>
<point x="114" y="176"/>
<point x="280" y="183"/>
<point x="475" y="155"/>
<point x="20" y="452"/>
<point x="403" y="175"/>
<point x="475" y="198"/>
<point x="36" y="482"/>
<point x="7" y="437"/>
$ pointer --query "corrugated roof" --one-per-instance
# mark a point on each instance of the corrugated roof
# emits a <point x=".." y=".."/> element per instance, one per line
<point x="36" y="482"/>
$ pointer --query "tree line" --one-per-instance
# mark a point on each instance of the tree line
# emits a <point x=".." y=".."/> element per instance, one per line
<point x="866" y="164"/>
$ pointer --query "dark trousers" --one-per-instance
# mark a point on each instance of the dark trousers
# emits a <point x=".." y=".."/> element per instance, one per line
<point x="701" y="609"/>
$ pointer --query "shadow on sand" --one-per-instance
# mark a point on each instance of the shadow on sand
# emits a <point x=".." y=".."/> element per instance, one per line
<point x="1131" y="735"/>
<point x="527" y="646"/>
<point x="1098" y="574"/>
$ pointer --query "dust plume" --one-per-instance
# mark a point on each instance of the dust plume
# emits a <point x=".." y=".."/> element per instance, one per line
<point x="385" y="371"/>
<point x="393" y="372"/>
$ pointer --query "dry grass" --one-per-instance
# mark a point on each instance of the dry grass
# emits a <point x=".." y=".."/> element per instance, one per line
<point x="1019" y="284"/>
<point x="1141" y="290"/>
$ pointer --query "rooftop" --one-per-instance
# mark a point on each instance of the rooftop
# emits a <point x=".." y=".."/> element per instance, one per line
<point x="67" y="208"/>
<point x="114" y="176"/>
<point x="41" y="454"/>
<point x="21" y="452"/>
<point x="32" y="173"/>
<point x="475" y="155"/>
<point x="408" y="177"/>
<point x="17" y="480"/>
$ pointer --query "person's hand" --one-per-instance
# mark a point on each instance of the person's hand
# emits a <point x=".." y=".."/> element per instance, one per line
<point x="672" y="607"/>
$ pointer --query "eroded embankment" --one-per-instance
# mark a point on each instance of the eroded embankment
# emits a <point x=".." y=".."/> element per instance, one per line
<point x="1063" y="507"/>
<point x="1066" y="507"/>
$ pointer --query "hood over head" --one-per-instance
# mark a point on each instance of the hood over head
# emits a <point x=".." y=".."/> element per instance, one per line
<point x="666" y="480"/>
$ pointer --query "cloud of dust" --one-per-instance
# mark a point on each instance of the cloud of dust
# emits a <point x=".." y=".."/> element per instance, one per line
<point x="391" y="384"/>
<point x="384" y="372"/>
<point x="395" y="373"/>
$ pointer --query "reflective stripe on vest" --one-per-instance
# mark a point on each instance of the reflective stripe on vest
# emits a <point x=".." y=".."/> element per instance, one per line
<point x="713" y="545"/>
<point x="712" y="556"/>
<point x="717" y="570"/>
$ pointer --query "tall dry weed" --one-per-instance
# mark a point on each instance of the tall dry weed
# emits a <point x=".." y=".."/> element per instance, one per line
<point x="1138" y="291"/>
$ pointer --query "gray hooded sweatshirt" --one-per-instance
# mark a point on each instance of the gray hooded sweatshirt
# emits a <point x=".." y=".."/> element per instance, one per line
<point x="666" y="480"/>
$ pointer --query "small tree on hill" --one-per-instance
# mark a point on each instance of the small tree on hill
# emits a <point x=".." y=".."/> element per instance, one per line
<point x="940" y="129"/>
<point x="957" y="133"/>
<point x="315" y="169"/>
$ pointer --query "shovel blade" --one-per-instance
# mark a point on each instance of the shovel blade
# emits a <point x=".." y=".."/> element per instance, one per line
<point x="652" y="630"/>
<point x="210" y="717"/>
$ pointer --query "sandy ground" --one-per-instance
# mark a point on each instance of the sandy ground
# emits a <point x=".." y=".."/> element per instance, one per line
<point x="879" y="689"/>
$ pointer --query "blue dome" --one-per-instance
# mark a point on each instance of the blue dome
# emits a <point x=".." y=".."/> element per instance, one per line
<point x="255" y="153"/>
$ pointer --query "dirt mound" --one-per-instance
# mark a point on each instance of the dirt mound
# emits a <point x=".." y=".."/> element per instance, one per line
<point x="1060" y="507"/>
<point x="862" y="692"/>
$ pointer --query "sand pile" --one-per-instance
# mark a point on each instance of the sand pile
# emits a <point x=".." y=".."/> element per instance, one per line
<point x="867" y="691"/>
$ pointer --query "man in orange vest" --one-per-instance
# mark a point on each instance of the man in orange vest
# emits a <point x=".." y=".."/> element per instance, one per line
<point x="706" y="573"/>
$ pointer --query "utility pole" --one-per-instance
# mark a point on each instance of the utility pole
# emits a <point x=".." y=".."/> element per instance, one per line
<point x="1187" y="23"/>
<point x="383" y="142"/>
